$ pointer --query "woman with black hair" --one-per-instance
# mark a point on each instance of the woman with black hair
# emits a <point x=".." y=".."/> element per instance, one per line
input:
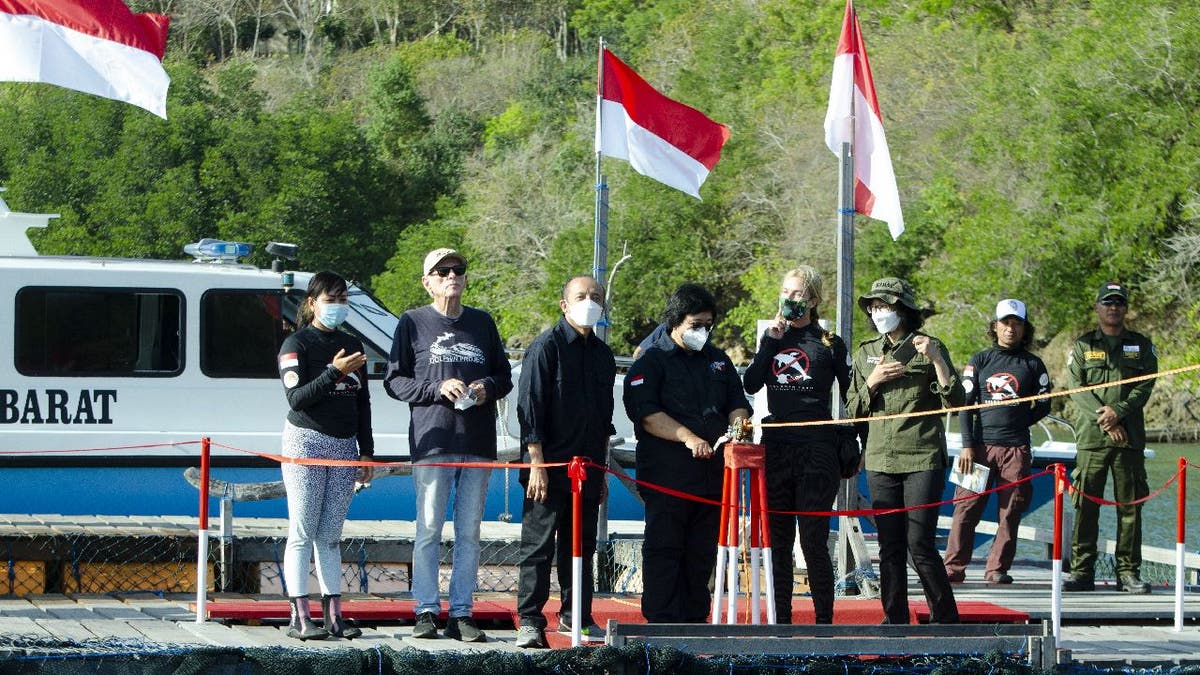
<point x="325" y="380"/>
<point x="903" y="371"/>
<point x="682" y="393"/>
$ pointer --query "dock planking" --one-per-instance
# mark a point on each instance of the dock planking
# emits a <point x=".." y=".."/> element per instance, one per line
<point x="1103" y="628"/>
<point x="166" y="622"/>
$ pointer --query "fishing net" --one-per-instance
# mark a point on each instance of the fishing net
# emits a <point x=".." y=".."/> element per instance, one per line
<point x="126" y="658"/>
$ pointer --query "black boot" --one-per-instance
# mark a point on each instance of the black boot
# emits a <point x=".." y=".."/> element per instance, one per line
<point x="335" y="623"/>
<point x="301" y="626"/>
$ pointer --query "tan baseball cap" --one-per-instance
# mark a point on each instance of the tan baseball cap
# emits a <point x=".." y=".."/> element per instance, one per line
<point x="437" y="255"/>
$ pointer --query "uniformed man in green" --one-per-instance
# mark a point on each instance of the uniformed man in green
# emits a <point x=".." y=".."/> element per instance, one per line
<point x="1111" y="437"/>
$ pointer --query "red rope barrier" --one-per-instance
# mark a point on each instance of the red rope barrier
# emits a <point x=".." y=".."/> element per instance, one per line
<point x="307" y="461"/>
<point x="116" y="447"/>
<point x="1104" y="502"/>
<point x="851" y="512"/>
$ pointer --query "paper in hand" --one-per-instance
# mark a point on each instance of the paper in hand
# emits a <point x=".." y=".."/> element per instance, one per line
<point x="975" y="481"/>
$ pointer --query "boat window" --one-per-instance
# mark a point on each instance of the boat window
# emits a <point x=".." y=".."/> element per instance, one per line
<point x="377" y="359"/>
<point x="92" y="332"/>
<point x="240" y="333"/>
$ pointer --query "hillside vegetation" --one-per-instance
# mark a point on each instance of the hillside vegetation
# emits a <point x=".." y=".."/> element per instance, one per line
<point x="1041" y="147"/>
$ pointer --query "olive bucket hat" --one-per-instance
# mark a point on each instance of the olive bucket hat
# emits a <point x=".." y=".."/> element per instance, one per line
<point x="891" y="290"/>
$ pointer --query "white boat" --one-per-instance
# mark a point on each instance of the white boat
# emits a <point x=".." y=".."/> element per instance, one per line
<point x="109" y="353"/>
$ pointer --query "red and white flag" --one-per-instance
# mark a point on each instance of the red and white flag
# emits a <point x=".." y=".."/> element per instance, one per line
<point x="660" y="138"/>
<point x="94" y="46"/>
<point x="852" y="94"/>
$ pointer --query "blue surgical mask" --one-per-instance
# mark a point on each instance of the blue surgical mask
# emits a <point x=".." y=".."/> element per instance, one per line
<point x="331" y="314"/>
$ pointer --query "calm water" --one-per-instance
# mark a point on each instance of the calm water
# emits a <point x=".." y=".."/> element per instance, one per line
<point x="1158" y="514"/>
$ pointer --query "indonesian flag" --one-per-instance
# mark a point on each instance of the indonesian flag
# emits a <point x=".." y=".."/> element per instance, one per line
<point x="660" y="138"/>
<point x="94" y="46"/>
<point x="852" y="94"/>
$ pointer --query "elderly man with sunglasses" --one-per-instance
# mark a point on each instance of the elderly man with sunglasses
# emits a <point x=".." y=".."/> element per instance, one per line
<point x="448" y="363"/>
<point x="1110" y="438"/>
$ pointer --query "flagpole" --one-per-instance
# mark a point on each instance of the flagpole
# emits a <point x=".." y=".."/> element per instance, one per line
<point x="847" y="499"/>
<point x="600" y="237"/>
<point x="604" y="561"/>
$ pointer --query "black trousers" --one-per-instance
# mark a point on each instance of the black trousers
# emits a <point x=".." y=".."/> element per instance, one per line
<point x="679" y="553"/>
<point x="802" y="476"/>
<point x="545" y="539"/>
<point x="910" y="532"/>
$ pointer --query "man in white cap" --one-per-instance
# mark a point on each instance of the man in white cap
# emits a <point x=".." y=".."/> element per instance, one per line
<point x="448" y="363"/>
<point x="998" y="437"/>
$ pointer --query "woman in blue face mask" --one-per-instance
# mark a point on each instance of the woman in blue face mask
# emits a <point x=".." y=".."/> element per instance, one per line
<point x="325" y="380"/>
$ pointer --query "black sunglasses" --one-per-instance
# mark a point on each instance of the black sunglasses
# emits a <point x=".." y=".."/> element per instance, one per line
<point x="1113" y="302"/>
<point x="445" y="270"/>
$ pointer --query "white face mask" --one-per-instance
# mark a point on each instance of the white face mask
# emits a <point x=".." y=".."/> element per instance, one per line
<point x="885" y="320"/>
<point x="585" y="313"/>
<point x="695" y="338"/>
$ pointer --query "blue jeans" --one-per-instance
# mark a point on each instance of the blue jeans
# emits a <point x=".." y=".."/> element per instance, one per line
<point x="434" y="484"/>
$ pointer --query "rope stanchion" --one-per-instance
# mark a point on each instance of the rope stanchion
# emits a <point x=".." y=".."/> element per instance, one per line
<point x="202" y="534"/>
<point x="577" y="471"/>
<point x="1180" y="545"/>
<point x="750" y="458"/>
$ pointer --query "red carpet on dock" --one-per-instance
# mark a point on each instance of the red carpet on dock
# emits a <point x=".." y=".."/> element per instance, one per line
<point x="624" y="610"/>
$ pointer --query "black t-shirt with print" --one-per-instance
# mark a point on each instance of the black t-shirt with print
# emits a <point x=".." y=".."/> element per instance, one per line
<point x="320" y="397"/>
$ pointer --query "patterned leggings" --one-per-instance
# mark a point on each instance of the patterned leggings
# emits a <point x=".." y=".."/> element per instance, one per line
<point x="318" y="498"/>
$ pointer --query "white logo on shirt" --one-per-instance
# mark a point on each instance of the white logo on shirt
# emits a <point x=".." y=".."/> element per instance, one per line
<point x="460" y="352"/>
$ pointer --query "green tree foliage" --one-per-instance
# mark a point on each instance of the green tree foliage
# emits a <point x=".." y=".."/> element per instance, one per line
<point x="1040" y="148"/>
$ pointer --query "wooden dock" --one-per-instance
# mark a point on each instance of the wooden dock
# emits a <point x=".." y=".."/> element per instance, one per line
<point x="1132" y="641"/>
<point x="1104" y="628"/>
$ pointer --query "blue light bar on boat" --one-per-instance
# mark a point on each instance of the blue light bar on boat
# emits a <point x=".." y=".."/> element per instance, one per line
<point x="216" y="250"/>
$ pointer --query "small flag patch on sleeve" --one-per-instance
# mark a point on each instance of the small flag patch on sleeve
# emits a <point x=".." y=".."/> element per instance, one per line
<point x="637" y="380"/>
<point x="288" y="360"/>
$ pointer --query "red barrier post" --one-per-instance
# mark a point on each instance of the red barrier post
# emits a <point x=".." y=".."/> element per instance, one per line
<point x="1181" y="503"/>
<point x="577" y="470"/>
<point x="768" y="563"/>
<point x="202" y="534"/>
<point x="730" y="476"/>
<point x="1180" y="540"/>
<point x="1060" y="487"/>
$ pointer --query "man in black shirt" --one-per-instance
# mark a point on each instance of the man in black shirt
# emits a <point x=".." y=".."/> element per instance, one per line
<point x="565" y="407"/>
<point x="998" y="437"/>
<point x="682" y="393"/>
